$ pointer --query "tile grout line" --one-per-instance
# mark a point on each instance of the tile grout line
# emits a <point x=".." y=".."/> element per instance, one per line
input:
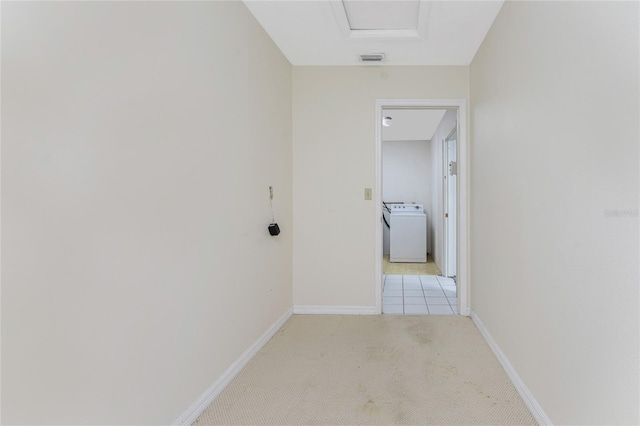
<point x="424" y="295"/>
<point x="445" y="294"/>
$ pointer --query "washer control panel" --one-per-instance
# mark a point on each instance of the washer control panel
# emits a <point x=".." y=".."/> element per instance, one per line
<point x="407" y="208"/>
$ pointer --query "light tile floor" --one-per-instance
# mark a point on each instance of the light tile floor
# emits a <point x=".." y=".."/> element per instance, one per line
<point x="419" y="295"/>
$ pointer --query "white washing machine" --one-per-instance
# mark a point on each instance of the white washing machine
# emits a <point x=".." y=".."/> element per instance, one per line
<point x="408" y="233"/>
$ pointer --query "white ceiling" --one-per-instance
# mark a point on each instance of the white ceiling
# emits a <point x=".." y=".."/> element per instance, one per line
<point x="411" y="124"/>
<point x="330" y="32"/>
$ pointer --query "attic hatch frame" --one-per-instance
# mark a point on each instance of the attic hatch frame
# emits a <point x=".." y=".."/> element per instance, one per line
<point x="420" y="33"/>
<point x="462" y="243"/>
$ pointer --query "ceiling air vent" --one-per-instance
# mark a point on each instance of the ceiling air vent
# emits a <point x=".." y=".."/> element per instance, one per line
<point x="372" y="58"/>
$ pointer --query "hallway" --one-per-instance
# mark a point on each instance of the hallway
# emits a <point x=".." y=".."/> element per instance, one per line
<point x="147" y="147"/>
<point x="371" y="370"/>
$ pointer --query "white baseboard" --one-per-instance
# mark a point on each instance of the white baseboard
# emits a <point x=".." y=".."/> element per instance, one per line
<point x="535" y="408"/>
<point x="334" y="310"/>
<point x="201" y="404"/>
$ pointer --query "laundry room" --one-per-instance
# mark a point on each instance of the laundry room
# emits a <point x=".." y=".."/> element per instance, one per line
<point x="419" y="181"/>
<point x="408" y="179"/>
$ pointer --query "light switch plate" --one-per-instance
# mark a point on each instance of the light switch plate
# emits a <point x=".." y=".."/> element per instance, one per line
<point x="367" y="193"/>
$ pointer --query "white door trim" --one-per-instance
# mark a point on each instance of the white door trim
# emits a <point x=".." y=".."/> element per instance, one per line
<point x="463" y="194"/>
<point x="447" y="269"/>
<point x="445" y="199"/>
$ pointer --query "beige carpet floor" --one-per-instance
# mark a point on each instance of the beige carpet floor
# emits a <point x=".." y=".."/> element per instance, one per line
<point x="371" y="370"/>
<point x="404" y="268"/>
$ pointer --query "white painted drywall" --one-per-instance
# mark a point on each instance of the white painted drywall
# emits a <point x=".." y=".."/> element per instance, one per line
<point x="555" y="187"/>
<point x="407" y="175"/>
<point x="138" y="144"/>
<point x="334" y="160"/>
<point x="444" y="129"/>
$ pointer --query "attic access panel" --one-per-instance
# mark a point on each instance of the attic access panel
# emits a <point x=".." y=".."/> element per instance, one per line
<point x="382" y="19"/>
<point x="382" y="15"/>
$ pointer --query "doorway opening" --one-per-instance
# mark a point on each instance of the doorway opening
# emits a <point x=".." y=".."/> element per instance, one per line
<point x="420" y="193"/>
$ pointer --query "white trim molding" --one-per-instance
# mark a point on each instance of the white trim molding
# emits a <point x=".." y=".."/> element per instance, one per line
<point x="463" y="246"/>
<point x="526" y="395"/>
<point x="334" y="310"/>
<point x="209" y="395"/>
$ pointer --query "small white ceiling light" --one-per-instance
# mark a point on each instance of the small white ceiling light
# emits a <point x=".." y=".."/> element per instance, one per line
<point x="386" y="122"/>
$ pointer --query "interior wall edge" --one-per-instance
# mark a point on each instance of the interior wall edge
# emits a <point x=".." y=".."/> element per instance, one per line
<point x="211" y="393"/>
<point x="530" y="401"/>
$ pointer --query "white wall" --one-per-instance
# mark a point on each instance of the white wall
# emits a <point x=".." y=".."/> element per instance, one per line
<point x="444" y="129"/>
<point x="407" y="175"/>
<point x="334" y="160"/>
<point x="555" y="188"/>
<point x="138" y="144"/>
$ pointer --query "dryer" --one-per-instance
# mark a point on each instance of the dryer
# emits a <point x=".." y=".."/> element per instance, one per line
<point x="408" y="233"/>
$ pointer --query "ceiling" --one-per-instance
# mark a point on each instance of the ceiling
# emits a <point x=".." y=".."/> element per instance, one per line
<point x="408" y="32"/>
<point x="411" y="124"/>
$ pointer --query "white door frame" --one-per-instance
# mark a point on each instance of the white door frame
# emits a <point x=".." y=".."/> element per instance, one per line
<point x="463" y="194"/>
<point x="446" y="258"/>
